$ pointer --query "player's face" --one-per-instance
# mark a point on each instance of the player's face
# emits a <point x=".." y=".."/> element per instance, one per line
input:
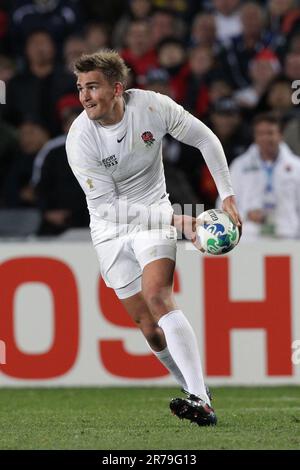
<point x="98" y="97"/>
<point x="268" y="137"/>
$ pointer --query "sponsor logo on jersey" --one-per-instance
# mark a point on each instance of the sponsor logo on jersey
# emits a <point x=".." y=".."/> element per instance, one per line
<point x="120" y="140"/>
<point x="148" y="138"/>
<point x="110" y="161"/>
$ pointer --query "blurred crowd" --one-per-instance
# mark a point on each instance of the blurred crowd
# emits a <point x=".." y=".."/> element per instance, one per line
<point x="226" y="61"/>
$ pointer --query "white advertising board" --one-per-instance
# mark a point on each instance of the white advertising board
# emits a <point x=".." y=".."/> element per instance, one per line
<point x="61" y="326"/>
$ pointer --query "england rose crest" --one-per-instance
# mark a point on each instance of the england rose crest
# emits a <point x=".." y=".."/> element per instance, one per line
<point x="148" y="138"/>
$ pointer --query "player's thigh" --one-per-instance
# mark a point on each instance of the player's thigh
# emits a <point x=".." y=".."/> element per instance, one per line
<point x="158" y="273"/>
<point x="155" y="251"/>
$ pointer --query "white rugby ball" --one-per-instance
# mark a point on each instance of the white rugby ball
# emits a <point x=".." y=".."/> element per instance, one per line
<point x="216" y="234"/>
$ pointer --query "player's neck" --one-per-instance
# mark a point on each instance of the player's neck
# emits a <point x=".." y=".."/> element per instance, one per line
<point x="116" y="114"/>
<point x="269" y="156"/>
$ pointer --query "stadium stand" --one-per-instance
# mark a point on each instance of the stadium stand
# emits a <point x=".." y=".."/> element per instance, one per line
<point x="200" y="53"/>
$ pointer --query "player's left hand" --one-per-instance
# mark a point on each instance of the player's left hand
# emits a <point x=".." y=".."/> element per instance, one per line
<point x="229" y="206"/>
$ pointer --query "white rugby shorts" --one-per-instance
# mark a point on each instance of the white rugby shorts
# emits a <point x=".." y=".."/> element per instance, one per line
<point x="123" y="259"/>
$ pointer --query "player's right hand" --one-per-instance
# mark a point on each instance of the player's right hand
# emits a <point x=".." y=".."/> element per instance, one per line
<point x="186" y="225"/>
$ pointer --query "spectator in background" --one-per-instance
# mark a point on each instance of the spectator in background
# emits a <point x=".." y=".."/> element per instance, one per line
<point x="294" y="46"/>
<point x="73" y="48"/>
<point x="180" y="7"/>
<point x="227" y="16"/>
<point x="284" y="20"/>
<point x="36" y="89"/>
<point x="7" y="71"/>
<point x="278" y="99"/>
<point x="219" y="88"/>
<point x="271" y="168"/>
<point x="137" y="10"/>
<point x="204" y="32"/>
<point x="292" y="66"/>
<point x="226" y="122"/>
<point x="4" y="37"/>
<point x="106" y="11"/>
<point x="172" y="57"/>
<point x="202" y="69"/>
<point x="164" y="24"/>
<point x="247" y="67"/>
<point x="96" y="36"/>
<point x="283" y="23"/>
<point x="8" y="153"/>
<point x="59" y="197"/>
<point x="263" y="68"/>
<point x="139" y="53"/>
<point x="291" y="21"/>
<point x="59" y="17"/>
<point x="158" y="80"/>
<point x="241" y="50"/>
<point x="18" y="191"/>
<point x="7" y="68"/>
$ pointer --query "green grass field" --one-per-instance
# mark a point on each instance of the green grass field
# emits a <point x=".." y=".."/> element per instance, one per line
<point x="139" y="418"/>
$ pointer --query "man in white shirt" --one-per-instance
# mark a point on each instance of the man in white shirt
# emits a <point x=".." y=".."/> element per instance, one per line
<point x="267" y="183"/>
<point x="114" y="150"/>
<point x="227" y="18"/>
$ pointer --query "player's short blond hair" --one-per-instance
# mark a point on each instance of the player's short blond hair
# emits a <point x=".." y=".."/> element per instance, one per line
<point x="108" y="61"/>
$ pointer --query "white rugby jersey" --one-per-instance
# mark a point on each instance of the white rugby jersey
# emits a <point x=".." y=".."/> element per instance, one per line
<point x="120" y="168"/>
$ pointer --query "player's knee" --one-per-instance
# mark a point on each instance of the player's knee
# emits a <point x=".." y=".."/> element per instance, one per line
<point x="157" y="299"/>
<point x="153" y="335"/>
<point x="145" y="323"/>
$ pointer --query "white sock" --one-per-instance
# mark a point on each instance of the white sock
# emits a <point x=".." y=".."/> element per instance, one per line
<point x="167" y="360"/>
<point x="182" y="345"/>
